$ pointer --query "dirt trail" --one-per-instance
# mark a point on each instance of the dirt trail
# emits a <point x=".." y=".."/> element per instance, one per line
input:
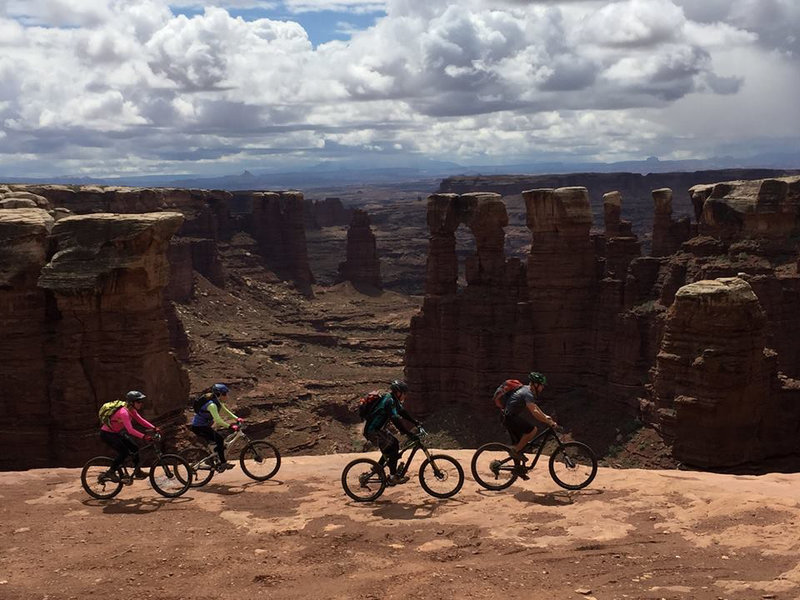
<point x="632" y="534"/>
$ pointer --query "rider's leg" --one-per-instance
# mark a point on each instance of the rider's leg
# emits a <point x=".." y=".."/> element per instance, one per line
<point x="133" y="449"/>
<point x="117" y="443"/>
<point x="523" y="441"/>
<point x="389" y="446"/>
<point x="219" y="440"/>
<point x="208" y="434"/>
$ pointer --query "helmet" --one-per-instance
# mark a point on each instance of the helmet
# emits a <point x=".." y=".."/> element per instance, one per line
<point x="134" y="396"/>
<point x="398" y="386"/>
<point x="538" y="378"/>
<point x="219" y="389"/>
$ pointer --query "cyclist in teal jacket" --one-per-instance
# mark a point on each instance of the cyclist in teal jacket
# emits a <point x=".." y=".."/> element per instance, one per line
<point x="390" y="408"/>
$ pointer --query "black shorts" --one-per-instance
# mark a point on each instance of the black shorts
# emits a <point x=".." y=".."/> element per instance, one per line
<point x="519" y="424"/>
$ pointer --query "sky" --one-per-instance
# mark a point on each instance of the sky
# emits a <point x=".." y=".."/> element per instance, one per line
<point x="101" y="88"/>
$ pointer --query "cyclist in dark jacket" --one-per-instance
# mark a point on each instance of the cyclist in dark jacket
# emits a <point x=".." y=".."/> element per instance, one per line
<point x="390" y="408"/>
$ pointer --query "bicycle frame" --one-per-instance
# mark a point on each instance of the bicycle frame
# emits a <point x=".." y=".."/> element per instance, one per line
<point x="541" y="439"/>
<point x="229" y="441"/>
<point x="413" y="443"/>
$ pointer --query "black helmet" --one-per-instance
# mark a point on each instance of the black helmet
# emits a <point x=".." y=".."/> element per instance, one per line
<point x="134" y="396"/>
<point x="538" y="378"/>
<point x="219" y="389"/>
<point x="398" y="386"/>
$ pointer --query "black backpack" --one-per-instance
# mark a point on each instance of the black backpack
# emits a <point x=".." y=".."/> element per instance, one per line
<point x="202" y="399"/>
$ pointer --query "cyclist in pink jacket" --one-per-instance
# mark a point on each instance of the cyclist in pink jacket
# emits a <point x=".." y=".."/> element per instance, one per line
<point x="119" y="431"/>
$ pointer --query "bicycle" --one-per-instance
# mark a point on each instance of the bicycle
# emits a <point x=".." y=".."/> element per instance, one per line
<point x="573" y="465"/>
<point x="170" y="475"/>
<point x="364" y="479"/>
<point x="259" y="459"/>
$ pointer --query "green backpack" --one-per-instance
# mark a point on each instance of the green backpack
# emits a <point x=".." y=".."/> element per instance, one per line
<point x="108" y="409"/>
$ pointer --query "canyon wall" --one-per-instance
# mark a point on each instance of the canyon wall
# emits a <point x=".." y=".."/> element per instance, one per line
<point x="87" y="280"/>
<point x="83" y="308"/>
<point x="602" y="321"/>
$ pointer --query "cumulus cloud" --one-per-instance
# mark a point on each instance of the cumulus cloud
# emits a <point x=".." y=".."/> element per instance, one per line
<point x="131" y="82"/>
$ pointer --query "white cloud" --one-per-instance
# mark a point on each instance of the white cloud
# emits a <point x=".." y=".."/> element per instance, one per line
<point x="132" y="82"/>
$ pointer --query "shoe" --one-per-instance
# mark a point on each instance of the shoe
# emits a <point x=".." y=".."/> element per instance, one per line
<point x="108" y="476"/>
<point x="126" y="479"/>
<point x="520" y="471"/>
<point x="224" y="467"/>
<point x="396" y="479"/>
<point x="519" y="456"/>
<point x="139" y="474"/>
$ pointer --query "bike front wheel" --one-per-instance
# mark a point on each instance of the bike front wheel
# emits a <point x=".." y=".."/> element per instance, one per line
<point x="260" y="460"/>
<point x="493" y="467"/>
<point x="171" y="475"/>
<point x="573" y="465"/>
<point x="96" y="481"/>
<point x="203" y="466"/>
<point x="441" y="476"/>
<point x="363" y="480"/>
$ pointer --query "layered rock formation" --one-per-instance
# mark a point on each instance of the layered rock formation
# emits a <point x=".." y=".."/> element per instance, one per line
<point x="592" y="313"/>
<point x="278" y="226"/>
<point x="463" y="341"/>
<point x="361" y="265"/>
<point x="713" y="375"/>
<point x="275" y="219"/>
<point x="95" y="327"/>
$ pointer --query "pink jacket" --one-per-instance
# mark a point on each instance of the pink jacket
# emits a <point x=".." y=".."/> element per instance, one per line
<point x="122" y="420"/>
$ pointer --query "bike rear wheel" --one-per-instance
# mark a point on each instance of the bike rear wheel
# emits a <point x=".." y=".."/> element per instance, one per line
<point x="203" y="465"/>
<point x="573" y="465"/>
<point x="493" y="467"/>
<point x="363" y="480"/>
<point x="260" y="460"/>
<point x="441" y="476"/>
<point x="171" y="475"/>
<point x="95" y="481"/>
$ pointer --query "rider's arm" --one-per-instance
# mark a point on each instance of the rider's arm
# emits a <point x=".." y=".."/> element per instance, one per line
<point x="539" y="415"/>
<point x="228" y="411"/>
<point x="219" y="421"/>
<point x="140" y="419"/>
<point x="406" y="415"/>
<point x="125" y="418"/>
<point x="401" y="426"/>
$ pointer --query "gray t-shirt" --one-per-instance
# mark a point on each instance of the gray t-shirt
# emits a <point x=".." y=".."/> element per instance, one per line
<point x="519" y="400"/>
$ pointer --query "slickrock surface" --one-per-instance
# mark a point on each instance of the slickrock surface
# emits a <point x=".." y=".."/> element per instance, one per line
<point x="632" y="534"/>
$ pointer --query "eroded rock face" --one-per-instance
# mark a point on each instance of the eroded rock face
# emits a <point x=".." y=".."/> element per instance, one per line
<point x="592" y="314"/>
<point x="278" y="226"/>
<point x="766" y="209"/>
<point x="713" y="375"/>
<point x="24" y="241"/>
<point x="95" y="328"/>
<point x="361" y="265"/>
<point x="274" y="218"/>
<point x="562" y="279"/>
<point x="451" y="351"/>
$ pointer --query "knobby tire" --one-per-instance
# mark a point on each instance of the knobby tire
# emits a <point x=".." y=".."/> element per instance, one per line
<point x="449" y="480"/>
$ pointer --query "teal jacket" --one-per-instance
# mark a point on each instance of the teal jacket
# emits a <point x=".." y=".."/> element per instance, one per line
<point x="388" y="408"/>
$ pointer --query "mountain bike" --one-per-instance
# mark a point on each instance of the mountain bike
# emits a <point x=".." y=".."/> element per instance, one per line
<point x="170" y="475"/>
<point x="572" y="465"/>
<point x="440" y="475"/>
<point x="259" y="459"/>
